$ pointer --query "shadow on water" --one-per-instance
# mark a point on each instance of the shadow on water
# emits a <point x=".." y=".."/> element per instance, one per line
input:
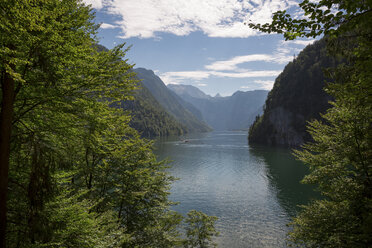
<point x="252" y="190"/>
<point x="285" y="173"/>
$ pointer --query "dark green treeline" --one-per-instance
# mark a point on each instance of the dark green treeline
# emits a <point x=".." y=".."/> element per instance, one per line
<point x="73" y="172"/>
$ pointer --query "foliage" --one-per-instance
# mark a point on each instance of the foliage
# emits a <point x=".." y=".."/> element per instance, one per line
<point x="79" y="176"/>
<point x="200" y="229"/>
<point x="340" y="162"/>
<point x="326" y="17"/>
<point x="296" y="98"/>
<point x="340" y="157"/>
<point x="170" y="102"/>
<point x="150" y="118"/>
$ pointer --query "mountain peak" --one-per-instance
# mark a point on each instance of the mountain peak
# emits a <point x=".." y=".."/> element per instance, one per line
<point x="144" y="70"/>
<point x="182" y="89"/>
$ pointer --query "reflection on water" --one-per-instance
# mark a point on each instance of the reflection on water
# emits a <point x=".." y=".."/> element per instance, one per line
<point x="285" y="173"/>
<point x="253" y="190"/>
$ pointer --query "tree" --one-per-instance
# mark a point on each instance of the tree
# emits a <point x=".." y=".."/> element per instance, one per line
<point x="340" y="157"/>
<point x="200" y="229"/>
<point x="331" y="18"/>
<point x="37" y="43"/>
<point x="72" y="171"/>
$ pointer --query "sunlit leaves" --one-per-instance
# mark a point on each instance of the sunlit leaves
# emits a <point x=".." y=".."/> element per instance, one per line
<point x="200" y="230"/>
<point x="340" y="156"/>
<point x="323" y="17"/>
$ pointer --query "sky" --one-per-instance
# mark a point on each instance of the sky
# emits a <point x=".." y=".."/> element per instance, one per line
<point x="203" y="43"/>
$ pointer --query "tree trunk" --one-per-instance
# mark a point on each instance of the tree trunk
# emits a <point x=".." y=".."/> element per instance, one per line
<point x="6" y="116"/>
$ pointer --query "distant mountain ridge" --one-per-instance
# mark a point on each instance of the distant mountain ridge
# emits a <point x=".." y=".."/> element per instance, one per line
<point x="189" y="90"/>
<point x="172" y="103"/>
<point x="148" y="117"/>
<point x="296" y="98"/>
<point x="236" y="112"/>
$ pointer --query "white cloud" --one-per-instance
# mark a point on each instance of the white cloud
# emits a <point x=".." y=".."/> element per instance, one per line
<point x="232" y="68"/>
<point x="202" y="85"/>
<point x="247" y="74"/>
<point x="299" y="42"/>
<point x="97" y="4"/>
<point x="216" y="18"/>
<point x="231" y="64"/>
<point x="259" y="85"/>
<point x="282" y="55"/>
<point x="175" y="77"/>
<point x="180" y="76"/>
<point x="265" y="84"/>
<point x="108" y="26"/>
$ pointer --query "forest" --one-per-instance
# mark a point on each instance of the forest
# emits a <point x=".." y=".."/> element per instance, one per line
<point x="339" y="153"/>
<point x="75" y="173"/>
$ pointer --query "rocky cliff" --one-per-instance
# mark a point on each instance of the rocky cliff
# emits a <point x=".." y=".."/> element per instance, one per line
<point x="296" y="98"/>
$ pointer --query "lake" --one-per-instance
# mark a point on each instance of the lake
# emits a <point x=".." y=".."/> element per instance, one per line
<point x="254" y="191"/>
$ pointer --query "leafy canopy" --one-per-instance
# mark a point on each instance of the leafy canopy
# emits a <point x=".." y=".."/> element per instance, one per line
<point x="340" y="157"/>
<point x="79" y="175"/>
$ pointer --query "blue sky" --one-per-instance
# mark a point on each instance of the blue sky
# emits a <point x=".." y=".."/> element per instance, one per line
<point x="203" y="43"/>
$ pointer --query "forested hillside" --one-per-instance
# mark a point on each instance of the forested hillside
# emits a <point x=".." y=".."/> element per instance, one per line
<point x="169" y="101"/>
<point x="297" y="97"/>
<point x="149" y="118"/>
<point x="339" y="155"/>
<point x="236" y="112"/>
<point x="73" y="173"/>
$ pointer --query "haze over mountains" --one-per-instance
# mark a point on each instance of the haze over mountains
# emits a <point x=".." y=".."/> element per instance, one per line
<point x="158" y="110"/>
<point x="297" y="97"/>
<point x="164" y="100"/>
<point x="236" y="112"/>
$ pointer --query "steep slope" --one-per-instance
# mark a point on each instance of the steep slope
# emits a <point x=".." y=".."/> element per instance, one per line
<point x="150" y="118"/>
<point x="296" y="98"/>
<point x="196" y="112"/>
<point x="170" y="102"/>
<point x="235" y="112"/>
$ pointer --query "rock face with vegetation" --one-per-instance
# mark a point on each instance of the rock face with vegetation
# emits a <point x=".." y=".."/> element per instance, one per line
<point x="296" y="98"/>
<point x="234" y="112"/>
<point x="173" y="104"/>
<point x="340" y="155"/>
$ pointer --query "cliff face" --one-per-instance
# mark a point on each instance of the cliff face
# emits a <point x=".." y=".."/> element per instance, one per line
<point x="296" y="98"/>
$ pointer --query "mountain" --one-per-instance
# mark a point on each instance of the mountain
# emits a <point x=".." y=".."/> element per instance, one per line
<point x="188" y="90"/>
<point x="196" y="112"/>
<point x="149" y="117"/>
<point x="296" y="98"/>
<point x="235" y="112"/>
<point x="172" y="103"/>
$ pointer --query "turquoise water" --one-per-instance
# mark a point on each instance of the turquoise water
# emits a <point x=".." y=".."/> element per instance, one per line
<point x="254" y="191"/>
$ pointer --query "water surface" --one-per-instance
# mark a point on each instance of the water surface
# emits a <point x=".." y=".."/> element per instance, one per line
<point x="253" y="191"/>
